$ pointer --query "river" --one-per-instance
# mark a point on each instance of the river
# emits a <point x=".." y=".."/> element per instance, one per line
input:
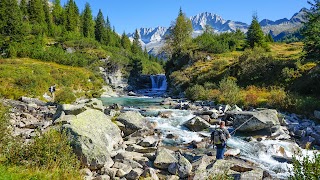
<point x="261" y="152"/>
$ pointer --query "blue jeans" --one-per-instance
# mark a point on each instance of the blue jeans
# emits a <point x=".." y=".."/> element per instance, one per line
<point x="221" y="148"/>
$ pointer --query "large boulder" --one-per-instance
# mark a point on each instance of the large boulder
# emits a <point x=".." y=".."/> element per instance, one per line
<point x="132" y="121"/>
<point x="235" y="168"/>
<point x="254" y="120"/>
<point x="182" y="168"/>
<point x="200" y="167"/>
<point x="93" y="137"/>
<point x="164" y="157"/>
<point x="197" y="124"/>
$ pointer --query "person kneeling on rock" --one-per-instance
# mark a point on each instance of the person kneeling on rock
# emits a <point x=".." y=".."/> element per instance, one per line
<point x="219" y="138"/>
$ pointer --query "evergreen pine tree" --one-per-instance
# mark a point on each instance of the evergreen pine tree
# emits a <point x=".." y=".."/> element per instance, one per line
<point x="48" y="17"/>
<point x="10" y="23"/>
<point x="125" y="41"/>
<point x="87" y="22"/>
<point x="24" y="9"/>
<point x="180" y="35"/>
<point x="255" y="36"/>
<point x="99" y="28"/>
<point x="57" y="13"/>
<point x="108" y="24"/>
<point x="36" y="13"/>
<point x="110" y="36"/>
<point x="136" y="46"/>
<point x="269" y="38"/>
<point x="145" y="52"/>
<point x="311" y="32"/>
<point x="72" y="16"/>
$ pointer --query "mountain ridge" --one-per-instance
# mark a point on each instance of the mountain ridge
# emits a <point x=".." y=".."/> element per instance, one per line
<point x="153" y="38"/>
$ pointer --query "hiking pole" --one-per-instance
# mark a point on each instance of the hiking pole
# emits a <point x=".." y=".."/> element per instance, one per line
<point x="234" y="131"/>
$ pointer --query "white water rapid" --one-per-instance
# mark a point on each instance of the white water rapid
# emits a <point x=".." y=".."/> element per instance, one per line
<point x="264" y="153"/>
<point x="273" y="156"/>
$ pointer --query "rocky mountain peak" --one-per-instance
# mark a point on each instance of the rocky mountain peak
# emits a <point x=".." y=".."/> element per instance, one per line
<point x="201" y="20"/>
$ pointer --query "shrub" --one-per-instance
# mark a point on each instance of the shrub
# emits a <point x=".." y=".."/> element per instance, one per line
<point x="230" y="91"/>
<point x="277" y="97"/>
<point x="255" y="66"/>
<point x="196" y="92"/>
<point x="307" y="168"/>
<point x="51" y="152"/>
<point x="65" y="96"/>
<point x="47" y="157"/>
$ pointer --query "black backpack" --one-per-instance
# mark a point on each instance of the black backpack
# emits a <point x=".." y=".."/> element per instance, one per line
<point x="218" y="136"/>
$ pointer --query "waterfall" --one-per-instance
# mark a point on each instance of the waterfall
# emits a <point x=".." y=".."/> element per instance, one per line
<point x="159" y="82"/>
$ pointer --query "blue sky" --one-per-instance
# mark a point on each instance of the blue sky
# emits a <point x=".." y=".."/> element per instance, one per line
<point x="127" y="15"/>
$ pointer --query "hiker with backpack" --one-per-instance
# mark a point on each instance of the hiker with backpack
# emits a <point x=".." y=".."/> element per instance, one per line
<point x="219" y="138"/>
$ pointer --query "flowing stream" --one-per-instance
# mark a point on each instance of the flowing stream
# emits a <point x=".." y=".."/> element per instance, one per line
<point x="262" y="152"/>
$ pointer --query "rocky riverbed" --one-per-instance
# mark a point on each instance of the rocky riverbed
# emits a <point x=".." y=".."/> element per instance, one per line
<point x="113" y="142"/>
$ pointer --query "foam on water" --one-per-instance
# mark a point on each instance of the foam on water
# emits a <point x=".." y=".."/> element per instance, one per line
<point x="173" y="125"/>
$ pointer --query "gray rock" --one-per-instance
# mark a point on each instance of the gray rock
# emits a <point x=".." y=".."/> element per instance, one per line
<point x="64" y="119"/>
<point x="140" y="149"/>
<point x="235" y="108"/>
<point x="182" y="168"/>
<point x="172" y="177"/>
<point x="165" y="114"/>
<point x="133" y="122"/>
<point x="32" y="101"/>
<point x="200" y="167"/>
<point x="150" y="173"/>
<point x="134" y="174"/>
<point x="95" y="104"/>
<point x="282" y="159"/>
<point x="197" y="124"/>
<point x="102" y="177"/>
<point x="254" y="174"/>
<point x="242" y="168"/>
<point x="254" y="121"/>
<point x="132" y="163"/>
<point x="317" y="129"/>
<point x="300" y="133"/>
<point x="121" y="173"/>
<point x="93" y="136"/>
<point x="164" y="158"/>
<point x="281" y="133"/>
<point x="28" y="121"/>
<point x="307" y="142"/>
<point x="71" y="109"/>
<point x="70" y="50"/>
<point x="86" y="172"/>
<point x="123" y="169"/>
<point x="317" y="114"/>
<point x="223" y="108"/>
<point x="111" y="172"/>
<point x="309" y="131"/>
<point x="205" y="117"/>
<point x="128" y="155"/>
<point x="317" y="138"/>
<point x="149" y="141"/>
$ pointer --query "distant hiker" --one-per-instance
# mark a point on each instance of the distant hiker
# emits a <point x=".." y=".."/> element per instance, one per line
<point x="219" y="138"/>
